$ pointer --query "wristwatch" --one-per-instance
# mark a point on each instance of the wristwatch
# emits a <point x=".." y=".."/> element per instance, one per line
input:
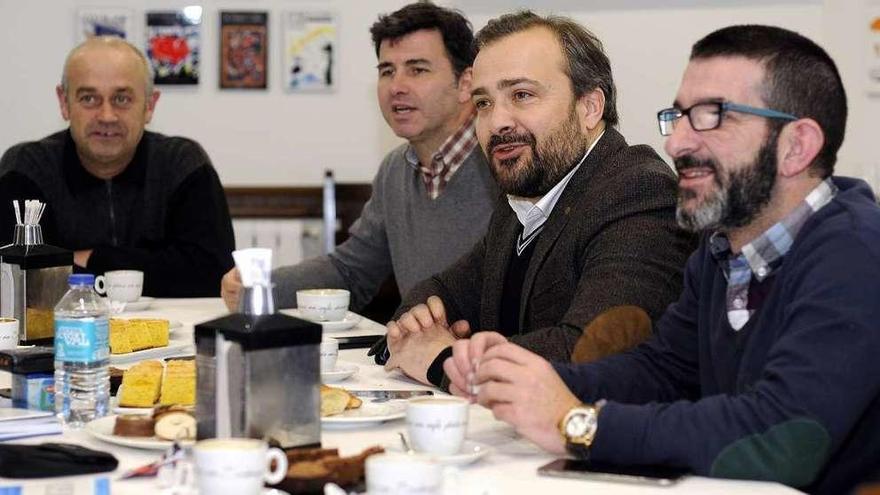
<point x="578" y="428"/>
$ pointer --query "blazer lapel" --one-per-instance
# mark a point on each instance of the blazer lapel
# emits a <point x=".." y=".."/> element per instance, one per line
<point x="565" y="207"/>
<point x="497" y="258"/>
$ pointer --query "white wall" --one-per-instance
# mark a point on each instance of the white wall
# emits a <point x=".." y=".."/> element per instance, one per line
<point x="274" y="138"/>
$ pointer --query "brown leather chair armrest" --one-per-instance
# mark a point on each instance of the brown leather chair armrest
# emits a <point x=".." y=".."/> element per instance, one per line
<point x="615" y="330"/>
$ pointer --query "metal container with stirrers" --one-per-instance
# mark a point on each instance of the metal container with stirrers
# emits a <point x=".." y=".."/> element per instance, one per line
<point x="33" y="276"/>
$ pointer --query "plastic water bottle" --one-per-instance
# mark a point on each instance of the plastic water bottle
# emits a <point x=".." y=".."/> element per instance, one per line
<point x="82" y="353"/>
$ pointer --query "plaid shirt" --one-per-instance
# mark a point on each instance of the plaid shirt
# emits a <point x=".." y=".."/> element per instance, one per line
<point x="446" y="160"/>
<point x="761" y="257"/>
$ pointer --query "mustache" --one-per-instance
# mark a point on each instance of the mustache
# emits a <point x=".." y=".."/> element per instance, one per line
<point x="496" y="140"/>
<point x="689" y="161"/>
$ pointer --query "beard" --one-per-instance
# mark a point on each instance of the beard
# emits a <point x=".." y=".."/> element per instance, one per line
<point x="738" y="197"/>
<point x="533" y="176"/>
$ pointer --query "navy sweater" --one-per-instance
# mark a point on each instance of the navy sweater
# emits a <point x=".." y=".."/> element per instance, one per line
<point x="793" y="397"/>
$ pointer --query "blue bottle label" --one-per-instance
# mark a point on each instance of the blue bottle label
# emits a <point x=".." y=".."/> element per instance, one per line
<point x="82" y="340"/>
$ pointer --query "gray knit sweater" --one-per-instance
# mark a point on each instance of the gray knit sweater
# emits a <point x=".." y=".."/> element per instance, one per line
<point x="400" y="229"/>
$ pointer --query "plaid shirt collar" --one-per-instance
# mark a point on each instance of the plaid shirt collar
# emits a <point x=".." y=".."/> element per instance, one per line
<point x="763" y="253"/>
<point x="760" y="257"/>
<point x="448" y="158"/>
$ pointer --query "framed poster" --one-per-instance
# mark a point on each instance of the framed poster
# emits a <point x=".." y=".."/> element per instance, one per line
<point x="310" y="51"/>
<point x="173" y="45"/>
<point x="244" y="40"/>
<point x="104" y="22"/>
<point x="873" y="46"/>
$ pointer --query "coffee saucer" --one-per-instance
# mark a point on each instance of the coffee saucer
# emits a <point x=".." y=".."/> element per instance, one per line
<point x="470" y="453"/>
<point x="349" y="321"/>
<point x="342" y="371"/>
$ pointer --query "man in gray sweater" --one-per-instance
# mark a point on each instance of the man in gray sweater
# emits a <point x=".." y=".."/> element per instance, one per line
<point x="584" y="251"/>
<point x="433" y="196"/>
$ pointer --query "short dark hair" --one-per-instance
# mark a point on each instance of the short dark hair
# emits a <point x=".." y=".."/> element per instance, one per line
<point x="458" y="36"/>
<point x="800" y="79"/>
<point x="588" y="65"/>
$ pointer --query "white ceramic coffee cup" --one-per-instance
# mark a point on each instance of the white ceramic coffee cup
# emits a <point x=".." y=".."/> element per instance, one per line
<point x="329" y="353"/>
<point x="438" y="424"/>
<point x="8" y="333"/>
<point x="401" y="474"/>
<point x="323" y="304"/>
<point x="121" y="285"/>
<point x="237" y="466"/>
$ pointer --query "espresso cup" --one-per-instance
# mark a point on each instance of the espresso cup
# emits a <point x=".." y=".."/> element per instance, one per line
<point x="121" y="285"/>
<point x="400" y="474"/>
<point x="8" y="333"/>
<point x="237" y="466"/>
<point x="323" y="304"/>
<point x="438" y="424"/>
<point x="329" y="353"/>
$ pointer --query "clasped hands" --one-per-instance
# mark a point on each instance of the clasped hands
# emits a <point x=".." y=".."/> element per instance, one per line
<point x="419" y="335"/>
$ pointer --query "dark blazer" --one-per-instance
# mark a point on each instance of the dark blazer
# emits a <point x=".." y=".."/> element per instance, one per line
<point x="611" y="240"/>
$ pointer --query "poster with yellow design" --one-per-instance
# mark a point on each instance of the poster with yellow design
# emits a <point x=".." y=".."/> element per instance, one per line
<point x="309" y="51"/>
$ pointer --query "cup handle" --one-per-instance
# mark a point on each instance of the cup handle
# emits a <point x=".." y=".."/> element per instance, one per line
<point x="273" y="477"/>
<point x="100" y="285"/>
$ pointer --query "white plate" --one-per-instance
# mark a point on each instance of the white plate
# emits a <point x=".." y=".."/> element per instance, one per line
<point x="368" y="414"/>
<point x="174" y="348"/>
<point x="141" y="304"/>
<point x="102" y="429"/>
<point x="470" y="452"/>
<point x="342" y="371"/>
<point x="351" y="320"/>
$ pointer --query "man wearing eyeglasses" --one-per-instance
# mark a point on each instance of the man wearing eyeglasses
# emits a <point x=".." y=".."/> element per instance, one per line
<point x="766" y="367"/>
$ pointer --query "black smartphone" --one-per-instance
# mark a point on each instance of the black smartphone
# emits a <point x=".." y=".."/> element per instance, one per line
<point x="600" y="471"/>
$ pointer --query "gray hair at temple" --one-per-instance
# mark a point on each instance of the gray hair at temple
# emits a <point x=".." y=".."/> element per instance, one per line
<point x="114" y="42"/>
<point x="588" y="65"/>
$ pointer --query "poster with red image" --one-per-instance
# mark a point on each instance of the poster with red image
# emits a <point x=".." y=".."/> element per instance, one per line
<point x="173" y="45"/>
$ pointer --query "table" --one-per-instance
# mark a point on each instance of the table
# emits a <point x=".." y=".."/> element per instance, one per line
<point x="509" y="469"/>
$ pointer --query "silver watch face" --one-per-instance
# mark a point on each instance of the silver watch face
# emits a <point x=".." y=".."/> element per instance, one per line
<point x="576" y="426"/>
<point x="580" y="423"/>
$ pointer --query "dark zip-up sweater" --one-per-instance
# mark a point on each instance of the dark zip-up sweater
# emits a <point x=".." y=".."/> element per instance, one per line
<point x="165" y="214"/>
<point x="793" y="397"/>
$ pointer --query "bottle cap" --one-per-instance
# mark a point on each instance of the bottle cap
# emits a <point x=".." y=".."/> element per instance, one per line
<point x="81" y="279"/>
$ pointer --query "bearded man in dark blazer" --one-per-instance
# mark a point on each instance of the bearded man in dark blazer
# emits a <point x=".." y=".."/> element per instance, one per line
<point x="584" y="251"/>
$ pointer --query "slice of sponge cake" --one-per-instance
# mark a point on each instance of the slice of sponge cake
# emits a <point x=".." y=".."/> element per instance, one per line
<point x="137" y="334"/>
<point x="179" y="385"/>
<point x="141" y="384"/>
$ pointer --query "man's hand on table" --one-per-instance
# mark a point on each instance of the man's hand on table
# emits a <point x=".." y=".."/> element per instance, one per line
<point x="520" y="387"/>
<point x="230" y="289"/>
<point x="419" y="336"/>
<point x="466" y="355"/>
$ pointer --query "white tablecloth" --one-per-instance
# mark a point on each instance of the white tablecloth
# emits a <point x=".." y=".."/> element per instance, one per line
<point x="509" y="469"/>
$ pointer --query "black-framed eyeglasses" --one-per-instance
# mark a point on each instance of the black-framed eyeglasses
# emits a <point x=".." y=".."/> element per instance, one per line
<point x="708" y="116"/>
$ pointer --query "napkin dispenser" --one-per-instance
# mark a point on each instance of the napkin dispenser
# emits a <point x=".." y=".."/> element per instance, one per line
<point x="258" y="376"/>
<point x="33" y="277"/>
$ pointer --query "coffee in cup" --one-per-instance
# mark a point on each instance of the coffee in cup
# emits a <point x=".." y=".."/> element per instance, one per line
<point x="237" y="466"/>
<point x="323" y="304"/>
<point x="437" y="425"/>
<point x="120" y="285"/>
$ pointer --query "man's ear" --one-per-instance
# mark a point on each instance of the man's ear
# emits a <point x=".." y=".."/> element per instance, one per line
<point x="465" y="81"/>
<point x="590" y="108"/>
<point x="62" y="102"/>
<point x="151" y="106"/>
<point x="799" y="144"/>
